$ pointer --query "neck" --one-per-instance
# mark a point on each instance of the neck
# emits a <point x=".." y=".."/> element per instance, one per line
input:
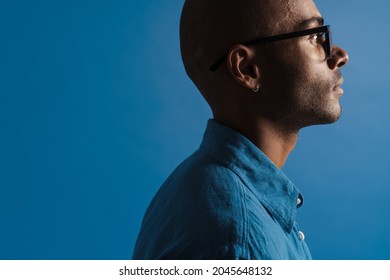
<point x="274" y="140"/>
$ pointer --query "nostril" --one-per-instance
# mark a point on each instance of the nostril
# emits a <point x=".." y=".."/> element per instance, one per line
<point x="341" y="64"/>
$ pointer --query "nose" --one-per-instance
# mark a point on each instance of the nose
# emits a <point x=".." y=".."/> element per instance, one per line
<point x="339" y="58"/>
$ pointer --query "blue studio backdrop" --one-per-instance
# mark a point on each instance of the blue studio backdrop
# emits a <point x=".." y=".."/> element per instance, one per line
<point x="96" y="110"/>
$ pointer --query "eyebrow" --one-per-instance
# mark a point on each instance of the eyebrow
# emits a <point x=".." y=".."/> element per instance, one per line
<point x="309" y="22"/>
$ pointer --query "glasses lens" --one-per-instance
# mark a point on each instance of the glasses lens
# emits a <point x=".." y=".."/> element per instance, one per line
<point x="324" y="44"/>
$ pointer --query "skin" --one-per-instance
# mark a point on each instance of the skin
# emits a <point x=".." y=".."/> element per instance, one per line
<point x="298" y="86"/>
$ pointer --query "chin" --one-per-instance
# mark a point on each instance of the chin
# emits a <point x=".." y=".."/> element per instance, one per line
<point x="322" y="117"/>
<point x="329" y="116"/>
<point x="335" y="114"/>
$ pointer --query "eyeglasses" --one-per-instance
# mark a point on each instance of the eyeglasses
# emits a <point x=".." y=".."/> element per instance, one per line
<point x="322" y="32"/>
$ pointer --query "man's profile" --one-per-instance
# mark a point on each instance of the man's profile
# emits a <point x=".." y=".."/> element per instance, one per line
<point x="267" y="68"/>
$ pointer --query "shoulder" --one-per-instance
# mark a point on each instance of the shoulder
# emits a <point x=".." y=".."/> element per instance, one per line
<point x="199" y="212"/>
<point x="209" y="183"/>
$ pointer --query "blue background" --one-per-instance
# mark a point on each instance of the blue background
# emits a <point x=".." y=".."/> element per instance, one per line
<point x="96" y="110"/>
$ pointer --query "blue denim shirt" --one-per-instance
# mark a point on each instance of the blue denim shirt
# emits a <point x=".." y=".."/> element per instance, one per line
<point x="226" y="201"/>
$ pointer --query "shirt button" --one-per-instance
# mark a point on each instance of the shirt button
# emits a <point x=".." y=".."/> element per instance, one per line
<point x="299" y="201"/>
<point x="301" y="235"/>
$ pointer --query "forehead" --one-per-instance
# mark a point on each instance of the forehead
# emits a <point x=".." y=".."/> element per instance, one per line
<point x="288" y="15"/>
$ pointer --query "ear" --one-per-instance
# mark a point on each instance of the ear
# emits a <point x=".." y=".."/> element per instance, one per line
<point x="241" y="64"/>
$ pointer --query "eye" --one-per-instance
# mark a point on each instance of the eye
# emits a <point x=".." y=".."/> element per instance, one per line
<point x="318" y="38"/>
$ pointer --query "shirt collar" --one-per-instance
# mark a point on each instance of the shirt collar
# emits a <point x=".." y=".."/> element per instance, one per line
<point x="265" y="180"/>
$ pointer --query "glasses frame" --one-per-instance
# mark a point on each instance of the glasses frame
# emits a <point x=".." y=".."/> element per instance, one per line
<point x="323" y="29"/>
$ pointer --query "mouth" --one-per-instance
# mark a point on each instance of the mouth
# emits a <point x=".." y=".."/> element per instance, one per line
<point x="338" y="89"/>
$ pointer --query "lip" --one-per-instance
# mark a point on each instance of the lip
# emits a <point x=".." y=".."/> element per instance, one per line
<point x="338" y="89"/>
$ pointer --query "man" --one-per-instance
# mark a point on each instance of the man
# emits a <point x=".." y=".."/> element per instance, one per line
<point x="267" y="69"/>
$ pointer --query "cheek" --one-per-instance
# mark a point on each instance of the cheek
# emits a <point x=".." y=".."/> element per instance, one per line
<point x="294" y="73"/>
<point x="306" y="86"/>
<point x="279" y="66"/>
<point x="312" y="73"/>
